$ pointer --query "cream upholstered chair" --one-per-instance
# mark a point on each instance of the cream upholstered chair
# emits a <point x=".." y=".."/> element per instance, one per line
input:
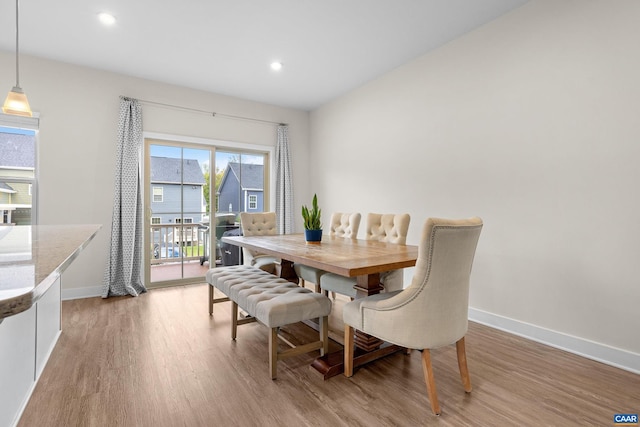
<point x="432" y="312"/>
<point x="344" y="225"/>
<point x="259" y="224"/>
<point x="388" y="228"/>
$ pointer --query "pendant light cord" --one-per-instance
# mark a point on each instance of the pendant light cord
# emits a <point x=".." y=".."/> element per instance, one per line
<point x="17" y="48"/>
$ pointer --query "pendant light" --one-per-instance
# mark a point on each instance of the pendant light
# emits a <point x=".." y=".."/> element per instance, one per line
<point x="16" y="102"/>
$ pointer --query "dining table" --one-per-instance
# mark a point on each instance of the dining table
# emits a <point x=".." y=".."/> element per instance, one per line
<point x="363" y="259"/>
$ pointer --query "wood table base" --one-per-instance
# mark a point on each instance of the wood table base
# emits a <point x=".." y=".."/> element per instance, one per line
<point x="332" y="364"/>
<point x="366" y="342"/>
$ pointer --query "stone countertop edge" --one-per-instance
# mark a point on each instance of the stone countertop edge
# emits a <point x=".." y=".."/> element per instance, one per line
<point x="18" y="304"/>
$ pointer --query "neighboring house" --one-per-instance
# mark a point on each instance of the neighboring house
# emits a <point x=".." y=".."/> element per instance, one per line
<point x="17" y="174"/>
<point x="168" y="179"/>
<point x="241" y="188"/>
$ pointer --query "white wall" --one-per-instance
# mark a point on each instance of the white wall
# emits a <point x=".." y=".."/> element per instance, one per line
<point x="530" y="122"/>
<point x="78" y="121"/>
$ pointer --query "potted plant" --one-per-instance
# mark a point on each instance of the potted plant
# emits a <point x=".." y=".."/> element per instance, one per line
<point x="312" y="222"/>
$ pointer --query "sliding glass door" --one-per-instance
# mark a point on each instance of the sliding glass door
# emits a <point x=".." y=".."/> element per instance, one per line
<point x="240" y="187"/>
<point x="177" y="216"/>
<point x="182" y="190"/>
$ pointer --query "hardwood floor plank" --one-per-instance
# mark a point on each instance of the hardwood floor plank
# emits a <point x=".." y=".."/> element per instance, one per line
<point x="161" y="360"/>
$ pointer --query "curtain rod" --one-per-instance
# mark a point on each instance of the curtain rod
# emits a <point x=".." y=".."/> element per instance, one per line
<point x="211" y="113"/>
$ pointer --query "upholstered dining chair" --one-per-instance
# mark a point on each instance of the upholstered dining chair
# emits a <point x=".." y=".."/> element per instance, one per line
<point x="388" y="228"/>
<point x="259" y="224"/>
<point x="343" y="225"/>
<point x="433" y="311"/>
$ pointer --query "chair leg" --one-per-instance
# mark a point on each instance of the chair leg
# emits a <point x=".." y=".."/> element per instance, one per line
<point x="431" y="383"/>
<point x="462" y="364"/>
<point x="348" y="351"/>
<point x="324" y="335"/>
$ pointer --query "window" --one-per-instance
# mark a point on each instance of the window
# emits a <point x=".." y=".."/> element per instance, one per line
<point x="156" y="220"/>
<point x="253" y="202"/>
<point x="18" y="188"/>
<point x="241" y="184"/>
<point x="157" y="194"/>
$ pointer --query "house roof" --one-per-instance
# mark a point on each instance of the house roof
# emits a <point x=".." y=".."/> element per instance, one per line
<point x="6" y="188"/>
<point x="17" y="151"/>
<point x="252" y="175"/>
<point x="167" y="170"/>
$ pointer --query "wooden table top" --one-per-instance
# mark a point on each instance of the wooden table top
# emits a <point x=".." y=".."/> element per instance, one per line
<point x="345" y="257"/>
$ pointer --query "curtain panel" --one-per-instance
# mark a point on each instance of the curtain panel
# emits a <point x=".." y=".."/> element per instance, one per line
<point x="284" y="183"/>
<point x="123" y="275"/>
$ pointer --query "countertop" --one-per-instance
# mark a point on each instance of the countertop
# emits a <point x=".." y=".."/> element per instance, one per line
<point x="33" y="257"/>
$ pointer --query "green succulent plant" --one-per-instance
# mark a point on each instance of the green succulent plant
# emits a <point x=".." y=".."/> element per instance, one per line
<point x="312" y="217"/>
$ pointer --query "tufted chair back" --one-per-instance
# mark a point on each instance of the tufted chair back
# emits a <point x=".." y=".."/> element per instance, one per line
<point x="258" y="224"/>
<point x="345" y="225"/>
<point x="388" y="228"/>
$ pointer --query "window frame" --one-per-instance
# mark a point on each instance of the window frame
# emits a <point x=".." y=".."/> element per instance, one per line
<point x="161" y="194"/>
<point x="252" y="202"/>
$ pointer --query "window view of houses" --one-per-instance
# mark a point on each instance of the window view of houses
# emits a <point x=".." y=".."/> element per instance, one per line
<point x="179" y="186"/>
<point x="17" y="175"/>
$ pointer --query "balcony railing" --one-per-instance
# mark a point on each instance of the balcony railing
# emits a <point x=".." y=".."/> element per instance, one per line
<point x="178" y="242"/>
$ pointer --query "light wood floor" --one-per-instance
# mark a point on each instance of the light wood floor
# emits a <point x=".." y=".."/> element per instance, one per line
<point x="160" y="360"/>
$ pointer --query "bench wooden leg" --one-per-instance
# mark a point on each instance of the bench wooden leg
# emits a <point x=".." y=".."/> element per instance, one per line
<point x="210" y="300"/>
<point x="214" y="300"/>
<point x="273" y="352"/>
<point x="234" y="320"/>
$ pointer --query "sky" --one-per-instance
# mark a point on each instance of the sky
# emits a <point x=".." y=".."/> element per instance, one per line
<point x="18" y="131"/>
<point x="202" y="156"/>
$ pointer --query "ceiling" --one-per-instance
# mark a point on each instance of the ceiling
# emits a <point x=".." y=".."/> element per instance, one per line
<point x="327" y="47"/>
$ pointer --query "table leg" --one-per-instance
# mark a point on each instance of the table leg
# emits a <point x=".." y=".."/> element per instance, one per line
<point x="365" y="286"/>
<point x="369" y="284"/>
<point x="285" y="270"/>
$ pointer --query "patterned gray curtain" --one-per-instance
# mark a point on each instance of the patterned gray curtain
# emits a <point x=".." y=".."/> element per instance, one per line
<point x="284" y="183"/>
<point x="123" y="273"/>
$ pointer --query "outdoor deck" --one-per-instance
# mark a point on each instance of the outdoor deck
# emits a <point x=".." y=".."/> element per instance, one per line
<point x="176" y="270"/>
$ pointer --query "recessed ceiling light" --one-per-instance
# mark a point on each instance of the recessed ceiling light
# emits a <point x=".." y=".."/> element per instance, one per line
<point x="107" y="18"/>
<point x="276" y="66"/>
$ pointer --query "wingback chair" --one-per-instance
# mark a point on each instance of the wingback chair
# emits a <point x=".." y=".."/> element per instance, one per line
<point x="388" y="228"/>
<point x="259" y="224"/>
<point x="343" y="225"/>
<point x="432" y="312"/>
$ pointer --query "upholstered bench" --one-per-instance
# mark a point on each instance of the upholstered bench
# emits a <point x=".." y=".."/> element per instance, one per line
<point x="272" y="301"/>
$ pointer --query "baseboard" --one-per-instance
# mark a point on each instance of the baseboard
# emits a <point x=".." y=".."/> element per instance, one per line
<point x="78" y="293"/>
<point x="619" y="358"/>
